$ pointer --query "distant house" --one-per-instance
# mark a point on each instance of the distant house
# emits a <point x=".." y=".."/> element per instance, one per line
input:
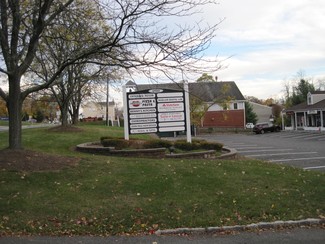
<point x="308" y="115"/>
<point x="97" y="110"/>
<point x="263" y="112"/>
<point x="226" y="102"/>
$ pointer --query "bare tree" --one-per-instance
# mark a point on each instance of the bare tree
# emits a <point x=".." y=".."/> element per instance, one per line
<point x="131" y="37"/>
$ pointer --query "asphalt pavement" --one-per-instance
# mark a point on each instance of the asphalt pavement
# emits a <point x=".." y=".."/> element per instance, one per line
<point x="294" y="148"/>
<point x="287" y="236"/>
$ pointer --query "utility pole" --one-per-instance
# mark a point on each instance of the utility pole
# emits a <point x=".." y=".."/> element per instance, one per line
<point x="107" y="101"/>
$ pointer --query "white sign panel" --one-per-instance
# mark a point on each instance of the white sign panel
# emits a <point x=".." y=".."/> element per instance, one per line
<point x="143" y="131"/>
<point x="150" y="120"/>
<point x="141" y="116"/>
<point x="166" y="124"/>
<point x="168" y="107"/>
<point x="176" y="128"/>
<point x="134" y="126"/>
<point x="142" y="103"/>
<point x="170" y="94"/>
<point x="145" y="95"/>
<point x="142" y="110"/>
<point x="170" y="99"/>
<point x="176" y="116"/>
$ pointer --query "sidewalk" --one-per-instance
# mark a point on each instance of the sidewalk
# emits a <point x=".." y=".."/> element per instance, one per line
<point x="287" y="236"/>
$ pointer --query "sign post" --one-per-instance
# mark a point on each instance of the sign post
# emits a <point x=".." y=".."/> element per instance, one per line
<point x="187" y="112"/>
<point x="125" y="115"/>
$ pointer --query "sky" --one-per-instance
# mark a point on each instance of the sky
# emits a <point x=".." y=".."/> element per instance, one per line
<point x="268" y="42"/>
<point x="265" y="44"/>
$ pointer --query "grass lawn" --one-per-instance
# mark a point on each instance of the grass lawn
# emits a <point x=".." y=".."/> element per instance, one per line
<point x="113" y="195"/>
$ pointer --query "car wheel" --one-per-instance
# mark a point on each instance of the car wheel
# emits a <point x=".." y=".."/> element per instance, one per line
<point x="262" y="131"/>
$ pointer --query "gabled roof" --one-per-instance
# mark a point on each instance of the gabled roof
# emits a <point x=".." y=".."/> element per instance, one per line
<point x="305" y="107"/>
<point x="207" y="91"/>
<point x="130" y="83"/>
<point x="317" y="92"/>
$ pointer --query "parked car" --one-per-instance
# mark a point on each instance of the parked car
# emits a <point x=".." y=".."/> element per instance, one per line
<point x="249" y="126"/>
<point x="261" y="128"/>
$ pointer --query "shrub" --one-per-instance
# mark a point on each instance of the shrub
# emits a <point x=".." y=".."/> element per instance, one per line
<point x="211" y="146"/>
<point x="157" y="143"/>
<point x="186" y="146"/>
<point x="197" y="144"/>
<point x="210" y="130"/>
<point x="105" y="137"/>
<point x="117" y="143"/>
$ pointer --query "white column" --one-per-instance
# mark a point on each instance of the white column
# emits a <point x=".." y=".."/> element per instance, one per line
<point x="296" y="124"/>
<point x="321" y="119"/>
<point x="282" y="119"/>
<point x="305" y="119"/>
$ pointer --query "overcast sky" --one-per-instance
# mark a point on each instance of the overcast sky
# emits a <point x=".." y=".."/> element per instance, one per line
<point x="268" y="42"/>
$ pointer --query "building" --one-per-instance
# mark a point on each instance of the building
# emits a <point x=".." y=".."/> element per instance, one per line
<point x="97" y="110"/>
<point x="226" y="104"/>
<point x="309" y="115"/>
<point x="263" y="112"/>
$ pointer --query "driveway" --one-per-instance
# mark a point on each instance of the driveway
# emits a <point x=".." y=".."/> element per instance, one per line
<point x="296" y="148"/>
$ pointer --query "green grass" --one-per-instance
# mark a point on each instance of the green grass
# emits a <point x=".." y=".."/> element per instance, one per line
<point x="113" y="195"/>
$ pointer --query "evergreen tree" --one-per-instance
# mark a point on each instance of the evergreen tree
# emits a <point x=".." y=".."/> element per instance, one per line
<point x="250" y="115"/>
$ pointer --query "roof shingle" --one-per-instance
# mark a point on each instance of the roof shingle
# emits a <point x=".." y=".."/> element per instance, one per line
<point x="207" y="91"/>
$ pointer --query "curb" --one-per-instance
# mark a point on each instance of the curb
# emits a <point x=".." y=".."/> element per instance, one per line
<point x="231" y="153"/>
<point x="257" y="226"/>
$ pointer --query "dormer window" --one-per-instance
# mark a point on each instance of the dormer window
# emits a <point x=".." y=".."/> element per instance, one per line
<point x="309" y="100"/>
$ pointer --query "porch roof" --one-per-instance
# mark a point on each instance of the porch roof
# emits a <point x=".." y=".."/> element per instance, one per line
<point x="305" y="107"/>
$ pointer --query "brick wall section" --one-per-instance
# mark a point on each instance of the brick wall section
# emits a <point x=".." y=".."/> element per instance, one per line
<point x="226" y="119"/>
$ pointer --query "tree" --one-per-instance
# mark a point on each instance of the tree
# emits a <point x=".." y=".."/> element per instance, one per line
<point x="134" y="41"/>
<point x="301" y="90"/>
<point x="297" y="90"/>
<point x="198" y="108"/>
<point x="205" y="78"/>
<point x="3" y="108"/>
<point x="254" y="99"/>
<point x="250" y="115"/>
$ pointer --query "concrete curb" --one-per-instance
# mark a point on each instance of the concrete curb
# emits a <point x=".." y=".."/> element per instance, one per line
<point x="231" y="153"/>
<point x="260" y="225"/>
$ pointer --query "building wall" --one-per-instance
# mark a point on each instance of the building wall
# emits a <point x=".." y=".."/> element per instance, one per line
<point x="231" y="105"/>
<point x="226" y="119"/>
<point x="96" y="110"/>
<point x="263" y="112"/>
<point x="317" y="98"/>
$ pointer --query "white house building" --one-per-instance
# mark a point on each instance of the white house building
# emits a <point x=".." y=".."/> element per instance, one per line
<point x="308" y="115"/>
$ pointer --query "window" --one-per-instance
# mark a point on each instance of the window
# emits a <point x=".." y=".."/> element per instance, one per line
<point x="309" y="100"/>
<point x="235" y="106"/>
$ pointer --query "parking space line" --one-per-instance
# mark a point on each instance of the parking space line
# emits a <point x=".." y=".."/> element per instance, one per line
<point x="295" y="159"/>
<point x="278" y="154"/>
<point x="315" y="167"/>
<point x="267" y="150"/>
<point x="252" y="147"/>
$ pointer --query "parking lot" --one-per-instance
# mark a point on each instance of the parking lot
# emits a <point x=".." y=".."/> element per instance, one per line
<point x="296" y="148"/>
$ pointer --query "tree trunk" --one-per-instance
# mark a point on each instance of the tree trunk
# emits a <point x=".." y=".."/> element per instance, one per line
<point x="75" y="116"/>
<point x="14" y="105"/>
<point x="64" y="114"/>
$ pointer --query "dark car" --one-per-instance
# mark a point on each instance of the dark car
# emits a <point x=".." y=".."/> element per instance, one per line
<point x="261" y="128"/>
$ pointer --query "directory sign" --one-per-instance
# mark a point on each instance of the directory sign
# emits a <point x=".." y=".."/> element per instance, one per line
<point x="156" y="110"/>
